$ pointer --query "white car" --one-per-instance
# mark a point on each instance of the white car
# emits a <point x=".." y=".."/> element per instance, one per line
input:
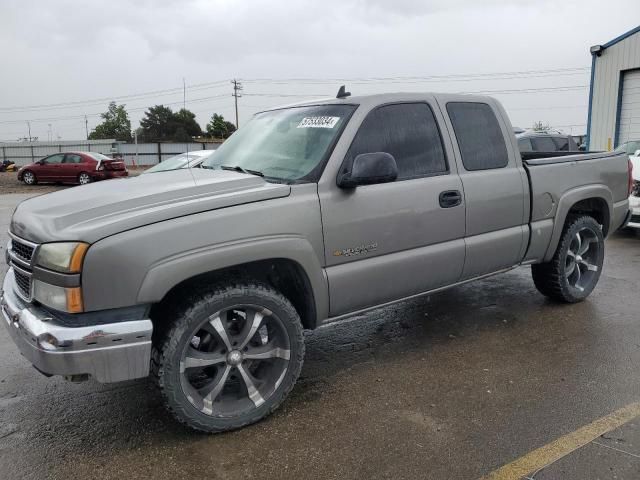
<point x="184" y="160"/>
<point x="634" y="199"/>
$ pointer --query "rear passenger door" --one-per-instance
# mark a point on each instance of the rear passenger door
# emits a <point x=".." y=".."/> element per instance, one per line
<point x="387" y="241"/>
<point x="495" y="187"/>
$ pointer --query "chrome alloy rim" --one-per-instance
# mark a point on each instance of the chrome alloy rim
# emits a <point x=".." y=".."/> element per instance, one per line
<point x="235" y="361"/>
<point x="84" y="179"/>
<point x="28" y="178"/>
<point x="581" y="264"/>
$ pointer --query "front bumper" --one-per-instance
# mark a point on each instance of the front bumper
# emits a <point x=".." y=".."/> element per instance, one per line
<point x="110" y="353"/>
<point x="634" y="206"/>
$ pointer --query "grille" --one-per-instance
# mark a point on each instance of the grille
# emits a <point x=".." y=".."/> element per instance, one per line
<point x="22" y="250"/>
<point x="23" y="281"/>
<point x="635" y="219"/>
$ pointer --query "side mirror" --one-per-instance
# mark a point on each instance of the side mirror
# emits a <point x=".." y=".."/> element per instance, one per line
<point x="368" y="169"/>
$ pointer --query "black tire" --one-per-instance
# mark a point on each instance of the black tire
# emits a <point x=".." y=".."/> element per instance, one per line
<point x="234" y="405"/>
<point x="558" y="279"/>
<point x="29" y="178"/>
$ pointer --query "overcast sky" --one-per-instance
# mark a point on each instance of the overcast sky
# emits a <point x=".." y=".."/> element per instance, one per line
<point x="64" y="51"/>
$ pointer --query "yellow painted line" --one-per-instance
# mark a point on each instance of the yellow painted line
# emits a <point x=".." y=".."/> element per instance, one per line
<point x="563" y="446"/>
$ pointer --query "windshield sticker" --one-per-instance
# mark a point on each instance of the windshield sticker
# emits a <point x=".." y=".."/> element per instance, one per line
<point x="318" y="122"/>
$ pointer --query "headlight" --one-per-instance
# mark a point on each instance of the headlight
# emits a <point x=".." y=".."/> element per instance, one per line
<point x="65" y="257"/>
<point x="59" y="298"/>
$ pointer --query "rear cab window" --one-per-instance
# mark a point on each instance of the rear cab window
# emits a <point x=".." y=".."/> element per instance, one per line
<point x="409" y="132"/>
<point x="480" y="139"/>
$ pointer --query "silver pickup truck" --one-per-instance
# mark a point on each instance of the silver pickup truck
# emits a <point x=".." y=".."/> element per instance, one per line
<point x="205" y="278"/>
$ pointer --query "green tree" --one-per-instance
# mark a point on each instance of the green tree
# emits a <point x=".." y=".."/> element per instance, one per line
<point x="158" y="124"/>
<point x="218" y="127"/>
<point x="186" y="120"/>
<point x="116" y="124"/>
<point x="230" y="129"/>
<point x="161" y="124"/>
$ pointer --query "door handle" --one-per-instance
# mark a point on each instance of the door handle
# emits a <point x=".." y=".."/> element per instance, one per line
<point x="450" y="198"/>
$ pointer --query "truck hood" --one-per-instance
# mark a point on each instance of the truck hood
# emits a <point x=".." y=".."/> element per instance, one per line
<point x="91" y="212"/>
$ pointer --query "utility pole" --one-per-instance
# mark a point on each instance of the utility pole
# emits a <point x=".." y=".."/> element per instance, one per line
<point x="237" y="89"/>
<point x="86" y="126"/>
<point x="29" y="129"/>
<point x="49" y="135"/>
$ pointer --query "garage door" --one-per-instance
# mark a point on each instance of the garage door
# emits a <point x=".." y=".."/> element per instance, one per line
<point x="629" y="125"/>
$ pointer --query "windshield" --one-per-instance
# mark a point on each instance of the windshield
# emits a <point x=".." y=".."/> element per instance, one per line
<point x="286" y="144"/>
<point x="174" y="163"/>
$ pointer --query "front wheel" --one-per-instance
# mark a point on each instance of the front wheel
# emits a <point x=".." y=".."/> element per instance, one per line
<point x="230" y="357"/>
<point x="29" y="178"/>
<point x="575" y="268"/>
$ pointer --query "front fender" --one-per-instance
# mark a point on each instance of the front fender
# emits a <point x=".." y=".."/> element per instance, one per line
<point x="168" y="272"/>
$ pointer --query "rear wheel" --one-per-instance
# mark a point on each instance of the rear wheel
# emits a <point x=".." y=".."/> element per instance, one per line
<point x="84" y="178"/>
<point x="231" y="356"/>
<point x="575" y="268"/>
<point x="29" y="178"/>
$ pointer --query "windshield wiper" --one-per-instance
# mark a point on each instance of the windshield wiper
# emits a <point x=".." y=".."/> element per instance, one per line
<point x="237" y="168"/>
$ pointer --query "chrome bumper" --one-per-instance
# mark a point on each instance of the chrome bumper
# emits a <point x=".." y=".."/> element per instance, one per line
<point x="110" y="353"/>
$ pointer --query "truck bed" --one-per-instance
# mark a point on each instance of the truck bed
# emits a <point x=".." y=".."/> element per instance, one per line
<point x="559" y="182"/>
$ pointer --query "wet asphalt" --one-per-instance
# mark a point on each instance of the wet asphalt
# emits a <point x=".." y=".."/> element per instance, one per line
<point x="450" y="386"/>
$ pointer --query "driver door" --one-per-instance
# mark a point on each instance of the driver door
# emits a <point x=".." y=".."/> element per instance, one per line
<point x="50" y="168"/>
<point x="387" y="241"/>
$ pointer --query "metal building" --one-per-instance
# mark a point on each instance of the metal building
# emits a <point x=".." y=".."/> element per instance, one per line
<point x="614" y="94"/>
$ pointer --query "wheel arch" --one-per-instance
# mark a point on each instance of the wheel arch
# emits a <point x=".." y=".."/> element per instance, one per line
<point x="593" y="200"/>
<point x="298" y="275"/>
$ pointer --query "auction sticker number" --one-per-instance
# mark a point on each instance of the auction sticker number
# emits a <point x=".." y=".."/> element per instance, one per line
<point x="318" y="122"/>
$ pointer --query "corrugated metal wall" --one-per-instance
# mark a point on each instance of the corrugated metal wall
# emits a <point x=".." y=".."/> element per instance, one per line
<point x="23" y="153"/>
<point x="624" y="55"/>
<point x="152" y="153"/>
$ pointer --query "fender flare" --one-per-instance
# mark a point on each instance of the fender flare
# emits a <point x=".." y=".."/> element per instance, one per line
<point x="169" y="272"/>
<point x="568" y="200"/>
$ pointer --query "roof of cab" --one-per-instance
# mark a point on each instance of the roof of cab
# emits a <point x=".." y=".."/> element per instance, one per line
<point x="382" y="98"/>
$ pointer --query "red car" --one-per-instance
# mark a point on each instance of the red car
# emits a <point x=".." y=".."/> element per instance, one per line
<point x="72" y="167"/>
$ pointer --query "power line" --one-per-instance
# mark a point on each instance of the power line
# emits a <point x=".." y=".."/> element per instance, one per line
<point x="508" y="91"/>
<point x="137" y="96"/>
<point x="319" y="81"/>
<point x="69" y="117"/>
<point x="518" y="74"/>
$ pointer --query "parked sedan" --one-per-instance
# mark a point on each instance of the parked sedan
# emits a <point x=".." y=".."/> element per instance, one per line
<point x="72" y="167"/>
<point x="184" y="160"/>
